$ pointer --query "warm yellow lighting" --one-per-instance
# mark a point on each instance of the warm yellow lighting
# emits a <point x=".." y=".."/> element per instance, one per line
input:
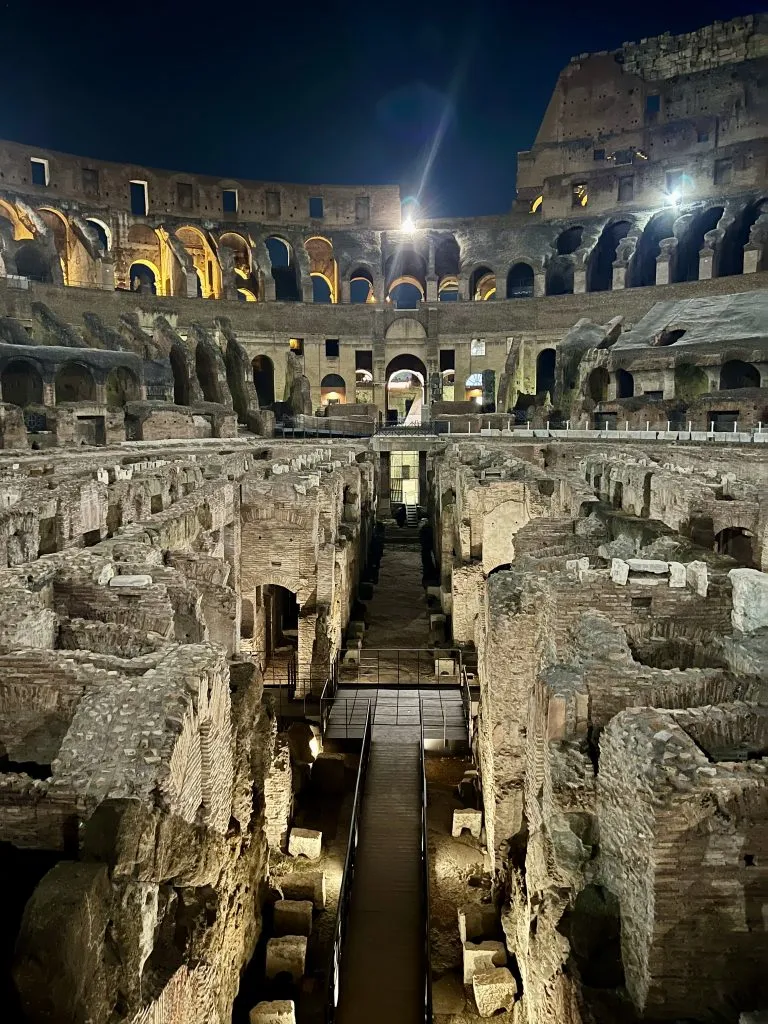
<point x="536" y="203"/>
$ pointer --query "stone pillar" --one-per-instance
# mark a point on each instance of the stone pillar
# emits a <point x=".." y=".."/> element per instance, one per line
<point x="108" y="274"/>
<point x="612" y="387"/>
<point x="753" y="254"/>
<point x="346" y="290"/>
<point x="539" y="283"/>
<point x="269" y="288"/>
<point x="306" y="288"/>
<point x="665" y="260"/>
<point x="190" y="284"/>
<point x="49" y="393"/>
<point x="432" y="289"/>
<point x="706" y="261"/>
<point x="579" y="280"/>
<point x="619" y="279"/>
<point x="463" y="295"/>
<point x="668" y="382"/>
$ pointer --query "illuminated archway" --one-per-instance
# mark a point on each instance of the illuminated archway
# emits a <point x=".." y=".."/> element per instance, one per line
<point x="406" y="292"/>
<point x="363" y="386"/>
<point x="333" y="390"/>
<point x="448" y="290"/>
<point x="204" y="259"/>
<point x="322" y="289"/>
<point x="143" y="277"/>
<point x="482" y="284"/>
<point x="102" y="232"/>
<point x="361" y="286"/>
<point x="322" y="269"/>
<point x="406" y="267"/>
<point x="144" y="248"/>
<point x="473" y="388"/>
<point x="20" y="230"/>
<point x="405" y="395"/>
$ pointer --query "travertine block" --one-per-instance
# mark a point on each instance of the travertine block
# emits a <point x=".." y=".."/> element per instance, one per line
<point x="305" y="886"/>
<point x="305" y="841"/>
<point x="287" y="955"/>
<point x="677" y="574"/>
<point x="482" y="956"/>
<point x="655" y="565"/>
<point x="476" y="920"/>
<point x="697" y="577"/>
<point x="619" y="571"/>
<point x="130" y="582"/>
<point x="494" y="990"/>
<point x="467" y="817"/>
<point x="750" y="599"/>
<point x="278" y="1011"/>
<point x="293" y="917"/>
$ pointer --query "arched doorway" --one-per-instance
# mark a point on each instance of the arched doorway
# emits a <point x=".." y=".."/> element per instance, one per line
<point x="281" y="611"/>
<point x="687" y="263"/>
<point x="333" y="390"/>
<point x="122" y="386"/>
<point x="600" y="262"/>
<point x="321" y="289"/>
<point x="520" y="281"/>
<point x="405" y="376"/>
<point x="143" y="279"/>
<point x="74" y="383"/>
<point x="597" y="384"/>
<point x="406" y="293"/>
<point x="322" y="269"/>
<point x="33" y="263"/>
<point x="21" y="384"/>
<point x="406" y="276"/>
<point x="180" y="377"/>
<point x="360" y="286"/>
<point x="102" y="233"/>
<point x="545" y="371"/>
<point x="625" y="384"/>
<point x="473" y="388"/>
<point x="642" y="267"/>
<point x="264" y="380"/>
<point x="736" y="542"/>
<point x="735" y="373"/>
<point x="283" y="269"/>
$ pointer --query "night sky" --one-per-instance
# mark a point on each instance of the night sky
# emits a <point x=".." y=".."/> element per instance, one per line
<point x="434" y="97"/>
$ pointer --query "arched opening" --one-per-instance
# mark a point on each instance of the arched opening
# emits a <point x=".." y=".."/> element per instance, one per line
<point x="122" y="387"/>
<point x="600" y="262"/>
<point x="482" y="284"/>
<point x="687" y="263"/>
<point x="568" y="241"/>
<point x="559" y="280"/>
<point x="625" y="384"/>
<point x="520" y="281"/>
<point x="333" y="390"/>
<point x="74" y="383"/>
<point x="405" y="377"/>
<point x="143" y="249"/>
<point x="737" y="374"/>
<point x="597" y="384"/>
<point x="32" y="262"/>
<point x="735" y="542"/>
<point x="283" y="269"/>
<point x="264" y="380"/>
<point x="21" y="384"/>
<point x="321" y="289"/>
<point x="235" y="245"/>
<point x="363" y="386"/>
<point x="737" y="236"/>
<point x="642" y="267"/>
<point x="281" y="610"/>
<point x="207" y="375"/>
<point x="322" y="269"/>
<point x="204" y="261"/>
<point x="545" y="371"/>
<point x="102" y="232"/>
<point x="9" y="213"/>
<point x="473" y="388"/>
<point x="180" y="377"/>
<point x="447" y="267"/>
<point x="360" y="286"/>
<point x="57" y="225"/>
<point x="406" y="293"/>
<point x="669" y="336"/>
<point x="406" y="275"/>
<point x="143" y="279"/>
<point x="690" y="382"/>
<point x="245" y="295"/>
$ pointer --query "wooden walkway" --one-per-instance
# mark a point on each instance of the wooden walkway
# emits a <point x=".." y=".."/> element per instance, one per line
<point x="382" y="963"/>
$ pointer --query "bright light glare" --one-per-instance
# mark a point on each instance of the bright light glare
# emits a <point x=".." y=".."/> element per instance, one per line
<point x="673" y="198"/>
<point x="408" y="224"/>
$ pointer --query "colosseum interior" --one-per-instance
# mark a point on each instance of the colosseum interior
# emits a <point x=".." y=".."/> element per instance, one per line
<point x="384" y="604"/>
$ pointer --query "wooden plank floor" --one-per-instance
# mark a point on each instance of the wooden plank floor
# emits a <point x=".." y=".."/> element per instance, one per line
<point x="382" y="964"/>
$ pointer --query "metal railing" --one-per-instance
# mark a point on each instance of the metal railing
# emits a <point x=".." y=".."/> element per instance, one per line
<point x="399" y="666"/>
<point x="401" y="430"/>
<point x="425" y="877"/>
<point x="345" y="892"/>
<point x="466" y="700"/>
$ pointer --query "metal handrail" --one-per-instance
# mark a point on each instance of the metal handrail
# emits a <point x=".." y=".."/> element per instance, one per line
<point x="345" y="891"/>
<point x="425" y="876"/>
<point x="400" y="673"/>
<point x="466" y="700"/>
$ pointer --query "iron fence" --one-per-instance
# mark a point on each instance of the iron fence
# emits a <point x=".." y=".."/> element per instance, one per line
<point x="425" y="903"/>
<point x="400" y="666"/>
<point x="345" y="892"/>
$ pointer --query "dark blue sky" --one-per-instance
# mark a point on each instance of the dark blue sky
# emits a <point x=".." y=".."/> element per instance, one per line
<point x="330" y="93"/>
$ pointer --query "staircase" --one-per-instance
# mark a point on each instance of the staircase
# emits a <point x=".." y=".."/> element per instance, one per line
<point x="411" y="515"/>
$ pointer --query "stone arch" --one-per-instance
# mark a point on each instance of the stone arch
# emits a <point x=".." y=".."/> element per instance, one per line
<point x="690" y="381"/>
<point x="181" y="389"/>
<point x="204" y="259"/>
<point x="737" y="235"/>
<point x="264" y="380"/>
<point x="405" y="362"/>
<point x="33" y="262"/>
<point x="21" y="383"/>
<point x="102" y="231"/>
<point x="144" y="277"/>
<point x="642" y="267"/>
<point x="447" y="268"/>
<point x="284" y="268"/>
<point x="74" y="383"/>
<point x="122" y="386"/>
<point x="625" y="384"/>
<point x="406" y="266"/>
<point x="545" y="371"/>
<point x="323" y="269"/>
<point x="482" y="283"/>
<point x="569" y="240"/>
<point x="736" y="542"/>
<point x="735" y="373"/>
<point x="361" y="286"/>
<point x="597" y="384"/>
<point x="520" y="280"/>
<point x="58" y="226"/>
<point x="600" y="262"/>
<point x="20" y="230"/>
<point x="500" y="527"/>
<point x="405" y="328"/>
<point x="333" y="389"/>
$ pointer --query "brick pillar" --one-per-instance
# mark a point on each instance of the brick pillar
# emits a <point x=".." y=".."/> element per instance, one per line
<point x="431" y="289"/>
<point x="579" y="280"/>
<point x="619" y="279"/>
<point x="539" y="283"/>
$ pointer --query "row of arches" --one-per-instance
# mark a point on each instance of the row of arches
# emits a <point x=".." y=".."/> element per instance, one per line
<point x="21" y="384"/>
<point x="690" y="380"/>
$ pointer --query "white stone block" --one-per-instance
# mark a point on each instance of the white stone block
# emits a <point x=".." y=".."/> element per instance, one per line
<point x="654" y="565"/>
<point x="287" y="955"/>
<point x="482" y="956"/>
<point x="292" y="917"/>
<point x="476" y="920"/>
<point x="277" y="1011"/>
<point x="750" y="599"/>
<point x="494" y="990"/>
<point x="305" y="885"/>
<point x="467" y="817"/>
<point x="306" y="842"/>
<point x="677" y="574"/>
<point x="619" y="571"/>
<point x="697" y="577"/>
<point x="130" y="582"/>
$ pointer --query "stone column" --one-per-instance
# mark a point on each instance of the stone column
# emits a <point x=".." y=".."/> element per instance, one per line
<point x="665" y="260"/>
<point x="668" y="382"/>
<point x="431" y="289"/>
<point x="619" y="279"/>
<point x="346" y="290"/>
<point x="706" y="261"/>
<point x="539" y="283"/>
<point x="190" y="284"/>
<point x="108" y="274"/>
<point x="269" y="288"/>
<point x="579" y="280"/>
<point x="753" y="254"/>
